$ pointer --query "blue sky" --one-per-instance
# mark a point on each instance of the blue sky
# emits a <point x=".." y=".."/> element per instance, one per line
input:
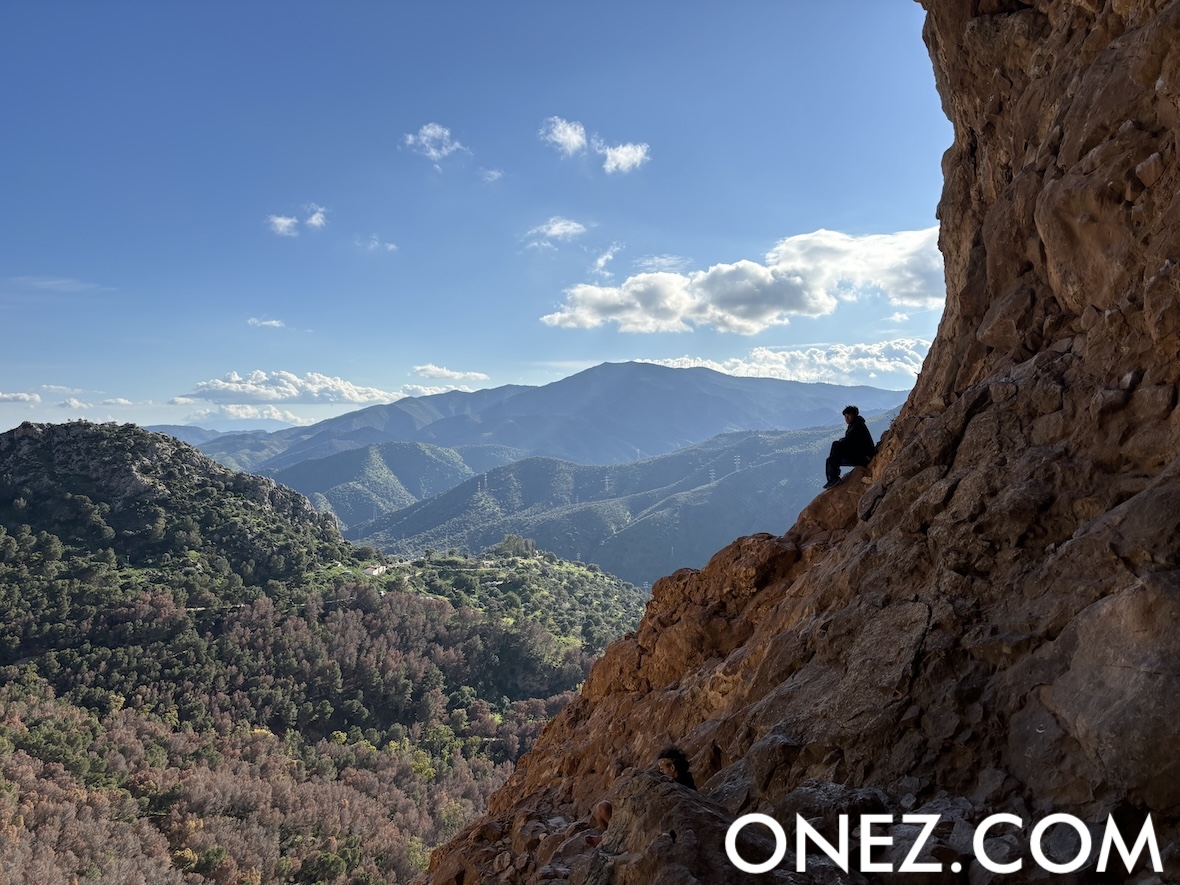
<point x="289" y="211"/>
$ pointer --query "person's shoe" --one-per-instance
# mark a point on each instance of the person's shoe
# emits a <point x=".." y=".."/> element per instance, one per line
<point x="831" y="483"/>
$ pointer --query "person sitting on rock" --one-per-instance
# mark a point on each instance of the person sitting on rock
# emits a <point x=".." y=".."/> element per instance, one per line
<point x="600" y="815"/>
<point x="856" y="449"/>
<point x="600" y="818"/>
<point x="674" y="764"/>
<point x="671" y="762"/>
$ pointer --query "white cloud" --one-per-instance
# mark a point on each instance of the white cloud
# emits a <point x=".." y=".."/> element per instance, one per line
<point x="117" y="401"/>
<point x="238" y="412"/>
<point x="373" y="243"/>
<point x="806" y="275"/>
<point x="420" y="390"/>
<point x="490" y="175"/>
<point x="900" y="358"/>
<point x="899" y="317"/>
<point x="74" y="403"/>
<point x="621" y="157"/>
<point x="556" y="228"/>
<point x="286" y="387"/>
<point x="905" y="266"/>
<point x="284" y="225"/>
<point x="288" y="225"/>
<point x="432" y="371"/>
<point x="55" y="284"/>
<point x="317" y="218"/>
<point x="653" y="302"/>
<point x="57" y="388"/>
<point x="31" y="399"/>
<point x="604" y="259"/>
<point x="434" y="142"/>
<point x="744" y="297"/>
<point x="567" y="136"/>
<point x="269" y="324"/>
<point x="674" y="263"/>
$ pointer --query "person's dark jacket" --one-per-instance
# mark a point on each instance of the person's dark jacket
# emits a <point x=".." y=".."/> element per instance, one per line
<point x="858" y="442"/>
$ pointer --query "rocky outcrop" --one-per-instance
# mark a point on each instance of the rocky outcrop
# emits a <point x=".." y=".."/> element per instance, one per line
<point x="988" y="618"/>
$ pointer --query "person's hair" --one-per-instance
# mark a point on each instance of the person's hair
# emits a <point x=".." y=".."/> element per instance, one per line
<point x="680" y="761"/>
<point x="675" y="754"/>
<point x="851" y="410"/>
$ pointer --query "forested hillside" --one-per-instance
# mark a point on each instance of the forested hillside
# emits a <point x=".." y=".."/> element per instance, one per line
<point x="199" y="681"/>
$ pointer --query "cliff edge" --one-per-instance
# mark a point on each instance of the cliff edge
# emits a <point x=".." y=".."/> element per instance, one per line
<point x="988" y="618"/>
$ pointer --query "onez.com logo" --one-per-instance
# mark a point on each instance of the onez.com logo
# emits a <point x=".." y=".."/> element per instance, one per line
<point x="1112" y="840"/>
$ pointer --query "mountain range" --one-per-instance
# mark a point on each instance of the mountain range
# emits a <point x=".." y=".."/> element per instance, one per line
<point x="639" y="468"/>
<point x="610" y="414"/>
<point x="359" y="485"/>
<point x="639" y="520"/>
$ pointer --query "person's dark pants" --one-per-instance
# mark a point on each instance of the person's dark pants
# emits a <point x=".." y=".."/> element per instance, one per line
<point x="841" y="457"/>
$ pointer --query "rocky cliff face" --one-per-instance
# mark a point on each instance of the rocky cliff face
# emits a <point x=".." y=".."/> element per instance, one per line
<point x="988" y="618"/>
